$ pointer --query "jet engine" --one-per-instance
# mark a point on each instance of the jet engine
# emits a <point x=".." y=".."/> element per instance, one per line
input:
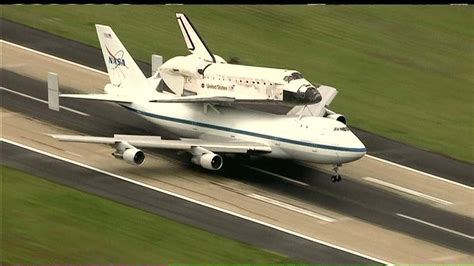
<point x="132" y="156"/>
<point x="332" y="115"/>
<point x="209" y="161"/>
<point x="338" y="117"/>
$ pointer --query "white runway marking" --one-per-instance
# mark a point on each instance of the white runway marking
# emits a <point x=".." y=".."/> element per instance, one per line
<point x="73" y="153"/>
<point x="419" y="172"/>
<point x="276" y="175"/>
<point x="408" y="191"/>
<point x="292" y="208"/>
<point x="435" y="226"/>
<point x="43" y="101"/>
<point x="196" y="201"/>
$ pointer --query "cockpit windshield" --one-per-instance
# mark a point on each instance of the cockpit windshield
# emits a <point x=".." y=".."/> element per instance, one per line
<point x="341" y="129"/>
<point x="293" y="76"/>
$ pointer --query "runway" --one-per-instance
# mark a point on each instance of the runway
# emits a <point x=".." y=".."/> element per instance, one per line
<point x="365" y="215"/>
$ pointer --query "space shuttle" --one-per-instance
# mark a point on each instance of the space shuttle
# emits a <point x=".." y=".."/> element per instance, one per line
<point x="205" y="77"/>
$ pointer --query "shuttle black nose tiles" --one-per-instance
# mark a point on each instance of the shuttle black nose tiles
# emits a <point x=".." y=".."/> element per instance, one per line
<point x="312" y="95"/>
<point x="307" y="95"/>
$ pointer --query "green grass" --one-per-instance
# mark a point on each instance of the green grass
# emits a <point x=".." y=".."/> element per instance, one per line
<point x="46" y="223"/>
<point x="404" y="72"/>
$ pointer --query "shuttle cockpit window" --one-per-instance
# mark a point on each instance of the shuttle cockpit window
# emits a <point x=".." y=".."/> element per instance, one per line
<point x="293" y="76"/>
<point x="341" y="129"/>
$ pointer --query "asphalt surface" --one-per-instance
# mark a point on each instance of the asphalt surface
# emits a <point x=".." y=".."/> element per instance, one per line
<point x="350" y="198"/>
<point x="377" y="145"/>
<point x="172" y="207"/>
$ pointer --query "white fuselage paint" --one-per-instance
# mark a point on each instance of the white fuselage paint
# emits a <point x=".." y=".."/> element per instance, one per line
<point x="310" y="139"/>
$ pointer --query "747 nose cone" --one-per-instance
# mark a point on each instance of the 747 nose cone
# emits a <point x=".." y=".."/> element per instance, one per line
<point x="359" y="148"/>
<point x="355" y="149"/>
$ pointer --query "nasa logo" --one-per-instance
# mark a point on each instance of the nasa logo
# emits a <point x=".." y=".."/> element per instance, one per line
<point x="117" y="61"/>
<point x="117" y="58"/>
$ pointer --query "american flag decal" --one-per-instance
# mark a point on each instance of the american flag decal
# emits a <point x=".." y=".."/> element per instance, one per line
<point x="107" y="35"/>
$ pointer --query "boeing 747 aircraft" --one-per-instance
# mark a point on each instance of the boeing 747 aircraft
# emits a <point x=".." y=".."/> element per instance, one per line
<point x="309" y="133"/>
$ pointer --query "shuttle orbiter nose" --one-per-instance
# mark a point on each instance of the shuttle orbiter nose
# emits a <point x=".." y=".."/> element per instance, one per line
<point x="304" y="95"/>
<point x="312" y="95"/>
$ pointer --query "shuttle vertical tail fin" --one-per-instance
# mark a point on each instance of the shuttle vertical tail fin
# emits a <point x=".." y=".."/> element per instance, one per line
<point x="193" y="41"/>
<point x="122" y="69"/>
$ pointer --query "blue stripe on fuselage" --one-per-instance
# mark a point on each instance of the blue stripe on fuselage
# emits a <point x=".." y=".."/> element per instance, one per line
<point x="238" y="131"/>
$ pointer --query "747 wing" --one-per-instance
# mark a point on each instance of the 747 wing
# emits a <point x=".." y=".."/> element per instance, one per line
<point x="203" y="151"/>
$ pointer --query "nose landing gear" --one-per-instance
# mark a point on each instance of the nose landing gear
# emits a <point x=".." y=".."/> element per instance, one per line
<point x="337" y="177"/>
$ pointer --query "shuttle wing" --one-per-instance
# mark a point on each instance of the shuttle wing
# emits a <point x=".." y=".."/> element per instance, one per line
<point x="193" y="41"/>
<point x="196" y="99"/>
<point x="181" y="144"/>
<point x="214" y="100"/>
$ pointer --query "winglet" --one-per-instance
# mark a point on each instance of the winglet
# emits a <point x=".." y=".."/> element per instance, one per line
<point x="193" y="40"/>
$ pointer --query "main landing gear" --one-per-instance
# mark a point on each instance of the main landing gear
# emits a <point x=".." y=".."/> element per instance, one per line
<point x="337" y="177"/>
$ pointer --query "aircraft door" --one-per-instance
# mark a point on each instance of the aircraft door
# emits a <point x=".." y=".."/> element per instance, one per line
<point x="232" y="132"/>
<point x="194" y="127"/>
<point x="196" y="130"/>
<point x="310" y="136"/>
<point x="314" y="140"/>
<point x="276" y="141"/>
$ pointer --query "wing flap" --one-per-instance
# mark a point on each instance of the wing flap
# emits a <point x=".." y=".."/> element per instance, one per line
<point x="98" y="97"/>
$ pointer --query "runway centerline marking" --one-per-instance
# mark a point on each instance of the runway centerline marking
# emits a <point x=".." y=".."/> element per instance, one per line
<point x="276" y="175"/>
<point x="419" y="172"/>
<point x="292" y="208"/>
<point x="43" y="101"/>
<point x="367" y="155"/>
<point x="195" y="201"/>
<point x="435" y="226"/>
<point x="73" y="153"/>
<point x="408" y="191"/>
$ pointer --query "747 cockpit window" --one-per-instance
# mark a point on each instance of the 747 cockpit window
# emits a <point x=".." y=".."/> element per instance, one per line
<point x="292" y="76"/>
<point x="341" y="129"/>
